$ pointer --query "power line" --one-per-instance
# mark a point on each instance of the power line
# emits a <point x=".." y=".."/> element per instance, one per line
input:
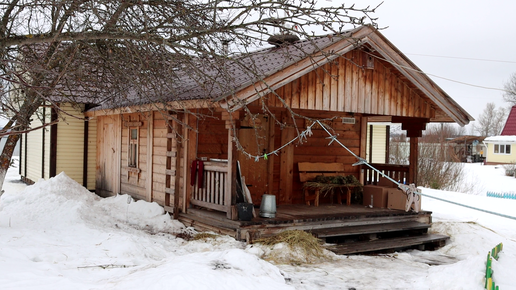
<point x="465" y="58"/>
<point x="429" y="74"/>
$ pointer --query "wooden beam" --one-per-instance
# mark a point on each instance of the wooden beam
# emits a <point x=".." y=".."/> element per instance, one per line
<point x="413" y="160"/>
<point x="363" y="142"/>
<point x="150" y="150"/>
<point x="286" y="161"/>
<point x="169" y="106"/>
<point x="270" y="164"/>
<point x="177" y="180"/>
<point x="230" y="194"/>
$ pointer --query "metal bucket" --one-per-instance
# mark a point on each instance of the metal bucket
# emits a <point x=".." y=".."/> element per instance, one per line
<point x="268" y="206"/>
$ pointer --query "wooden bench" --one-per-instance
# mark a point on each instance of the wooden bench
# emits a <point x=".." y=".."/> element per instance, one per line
<point x="309" y="170"/>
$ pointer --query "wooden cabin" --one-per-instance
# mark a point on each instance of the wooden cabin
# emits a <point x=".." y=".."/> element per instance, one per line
<point x="351" y="81"/>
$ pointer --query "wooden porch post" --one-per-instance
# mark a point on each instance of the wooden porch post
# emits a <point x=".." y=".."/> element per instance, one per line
<point x="414" y="127"/>
<point x="189" y="154"/>
<point x="286" y="161"/>
<point x="363" y="145"/>
<point x="413" y="160"/>
<point x="232" y="125"/>
<point x="177" y="180"/>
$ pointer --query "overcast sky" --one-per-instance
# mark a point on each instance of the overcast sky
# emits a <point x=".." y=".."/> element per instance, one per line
<point x="459" y="29"/>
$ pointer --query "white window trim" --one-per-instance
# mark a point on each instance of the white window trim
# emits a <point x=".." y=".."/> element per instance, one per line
<point x="130" y="144"/>
<point x="500" y="146"/>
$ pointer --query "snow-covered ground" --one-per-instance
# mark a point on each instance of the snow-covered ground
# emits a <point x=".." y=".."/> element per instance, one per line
<point x="57" y="235"/>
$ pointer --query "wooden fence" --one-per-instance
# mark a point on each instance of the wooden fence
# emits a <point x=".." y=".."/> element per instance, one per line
<point x="212" y="193"/>
<point x="399" y="173"/>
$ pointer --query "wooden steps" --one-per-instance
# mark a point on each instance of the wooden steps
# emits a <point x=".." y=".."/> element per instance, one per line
<point x="422" y="242"/>
<point x="370" y="229"/>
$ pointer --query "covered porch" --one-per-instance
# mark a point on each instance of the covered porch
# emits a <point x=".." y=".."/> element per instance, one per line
<point x="348" y="229"/>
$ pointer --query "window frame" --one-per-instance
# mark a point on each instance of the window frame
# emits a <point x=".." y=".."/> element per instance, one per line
<point x="132" y="147"/>
<point x="499" y="147"/>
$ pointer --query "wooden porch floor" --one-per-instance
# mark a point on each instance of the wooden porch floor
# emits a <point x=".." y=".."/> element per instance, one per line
<point x="299" y="217"/>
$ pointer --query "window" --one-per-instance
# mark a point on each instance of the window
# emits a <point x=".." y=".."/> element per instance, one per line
<point x="502" y="149"/>
<point x="132" y="157"/>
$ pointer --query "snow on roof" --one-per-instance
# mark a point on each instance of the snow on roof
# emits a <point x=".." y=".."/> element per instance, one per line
<point x="510" y="124"/>
<point x="494" y="139"/>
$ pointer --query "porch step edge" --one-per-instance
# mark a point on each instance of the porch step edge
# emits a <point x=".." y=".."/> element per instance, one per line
<point x="387" y="244"/>
<point x="369" y="229"/>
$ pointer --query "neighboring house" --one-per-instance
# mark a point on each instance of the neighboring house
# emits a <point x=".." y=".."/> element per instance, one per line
<point x="149" y="153"/>
<point x="502" y="149"/>
<point x="68" y="145"/>
<point x="509" y="129"/>
<point x="466" y="149"/>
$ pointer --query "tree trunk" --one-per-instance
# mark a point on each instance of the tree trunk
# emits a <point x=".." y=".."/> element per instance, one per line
<point x="7" y="154"/>
<point x="22" y="119"/>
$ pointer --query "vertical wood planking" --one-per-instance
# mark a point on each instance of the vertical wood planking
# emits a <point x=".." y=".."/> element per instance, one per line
<point x="354" y="92"/>
<point x="341" y="81"/>
<point x="387" y="93"/>
<point x="319" y="78"/>
<point x="334" y="79"/>
<point x="348" y="87"/>
<point x="311" y="90"/>
<point x="303" y="94"/>
<point x="326" y="86"/>
<point x="287" y="94"/>
<point x="377" y="87"/>
<point x="295" y="104"/>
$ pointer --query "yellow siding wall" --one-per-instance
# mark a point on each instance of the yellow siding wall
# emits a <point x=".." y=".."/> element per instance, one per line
<point x="70" y="144"/>
<point x="92" y="153"/>
<point x="379" y="143"/>
<point x="35" y="152"/>
<point x="500" y="158"/>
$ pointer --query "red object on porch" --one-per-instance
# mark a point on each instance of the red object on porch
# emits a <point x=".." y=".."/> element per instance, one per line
<point x="197" y="167"/>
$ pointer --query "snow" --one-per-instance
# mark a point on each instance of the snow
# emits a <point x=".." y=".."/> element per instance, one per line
<point x="57" y="235"/>
<point x="507" y="138"/>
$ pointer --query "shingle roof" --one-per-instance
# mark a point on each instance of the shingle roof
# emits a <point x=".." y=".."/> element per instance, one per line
<point x="217" y="78"/>
<point x="510" y="124"/>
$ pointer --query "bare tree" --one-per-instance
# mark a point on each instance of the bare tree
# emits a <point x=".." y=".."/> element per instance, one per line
<point x="101" y="51"/>
<point x="491" y="121"/>
<point x="510" y="90"/>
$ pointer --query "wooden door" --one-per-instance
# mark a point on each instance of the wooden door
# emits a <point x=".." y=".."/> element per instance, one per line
<point x="253" y="136"/>
<point x="107" y="157"/>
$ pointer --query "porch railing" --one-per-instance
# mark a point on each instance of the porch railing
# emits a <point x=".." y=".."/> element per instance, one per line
<point x="213" y="190"/>
<point x="399" y="173"/>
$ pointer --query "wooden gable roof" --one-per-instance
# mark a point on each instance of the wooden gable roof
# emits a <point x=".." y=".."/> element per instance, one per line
<point x="372" y="43"/>
<point x="509" y="129"/>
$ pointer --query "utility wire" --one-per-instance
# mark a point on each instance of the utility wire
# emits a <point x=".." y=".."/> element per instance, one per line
<point x="429" y="74"/>
<point x="465" y="58"/>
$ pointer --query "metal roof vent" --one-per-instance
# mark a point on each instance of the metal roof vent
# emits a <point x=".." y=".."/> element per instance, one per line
<point x="280" y="39"/>
<point x="346" y="120"/>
